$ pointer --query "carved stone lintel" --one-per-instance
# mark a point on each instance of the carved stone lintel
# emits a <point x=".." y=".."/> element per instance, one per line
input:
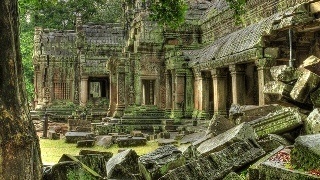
<point x="236" y="68"/>
<point x="218" y="72"/>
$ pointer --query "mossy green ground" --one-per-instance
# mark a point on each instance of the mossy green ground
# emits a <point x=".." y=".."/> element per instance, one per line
<point x="52" y="150"/>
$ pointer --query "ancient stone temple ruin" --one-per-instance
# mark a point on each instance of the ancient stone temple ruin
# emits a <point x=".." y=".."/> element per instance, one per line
<point x="138" y="70"/>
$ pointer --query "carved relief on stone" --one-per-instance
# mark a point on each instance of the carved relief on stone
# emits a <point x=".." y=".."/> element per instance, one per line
<point x="121" y="88"/>
<point x="150" y="68"/>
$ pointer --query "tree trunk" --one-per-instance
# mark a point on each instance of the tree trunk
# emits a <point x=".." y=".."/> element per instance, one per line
<point x="20" y="150"/>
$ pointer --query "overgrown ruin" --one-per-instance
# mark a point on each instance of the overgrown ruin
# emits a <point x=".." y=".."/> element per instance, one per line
<point x="138" y="76"/>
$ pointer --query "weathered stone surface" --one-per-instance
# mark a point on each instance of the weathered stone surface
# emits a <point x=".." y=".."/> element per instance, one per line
<point x="201" y="140"/>
<point x="312" y="123"/>
<point x="85" y="143"/>
<point x="87" y="170"/>
<point x="190" y="138"/>
<point x="250" y="113"/>
<point x="312" y="63"/>
<point x="90" y="152"/>
<point x="278" y="122"/>
<point x="123" y="165"/>
<point x="104" y="141"/>
<point x="277" y="90"/>
<point x="272" y="142"/>
<point x="73" y="137"/>
<point x="239" y="133"/>
<point x="306" y="83"/>
<point x="219" y="124"/>
<point x="232" y="176"/>
<point x="218" y="164"/>
<point x="189" y="151"/>
<point x="315" y="98"/>
<point x="131" y="141"/>
<point x="163" y="142"/>
<point x="306" y="152"/>
<point x="53" y="135"/>
<point x="159" y="162"/>
<point x="284" y="73"/>
<point x="96" y="162"/>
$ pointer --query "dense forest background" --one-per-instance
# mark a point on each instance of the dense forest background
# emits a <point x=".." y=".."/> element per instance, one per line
<point x="60" y="15"/>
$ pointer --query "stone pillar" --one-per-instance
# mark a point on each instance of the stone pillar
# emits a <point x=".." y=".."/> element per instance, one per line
<point x="113" y="91"/>
<point x="120" y="92"/>
<point x="238" y="83"/>
<point x="189" y="95"/>
<point x="197" y="77"/>
<point x="84" y="91"/>
<point x="168" y="92"/>
<point x="219" y="78"/>
<point x="178" y="101"/>
<point x="264" y="76"/>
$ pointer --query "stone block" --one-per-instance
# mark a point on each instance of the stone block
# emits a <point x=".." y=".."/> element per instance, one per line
<point x="104" y="141"/>
<point x="315" y="98"/>
<point x="189" y="151"/>
<point x="312" y="63"/>
<point x="190" y="138"/>
<point x="284" y="73"/>
<point x="272" y="142"/>
<point x="307" y="83"/>
<point x="163" y="142"/>
<point x="218" y="164"/>
<point x="123" y="165"/>
<point x="219" y="124"/>
<point x="277" y="90"/>
<point x="232" y="176"/>
<point x="306" y="152"/>
<point x="312" y="122"/>
<point x="73" y="137"/>
<point x="239" y="133"/>
<point x="278" y="122"/>
<point x="53" y="135"/>
<point x="136" y="134"/>
<point x="131" y="141"/>
<point x="159" y="162"/>
<point x="85" y="143"/>
<point x="96" y="162"/>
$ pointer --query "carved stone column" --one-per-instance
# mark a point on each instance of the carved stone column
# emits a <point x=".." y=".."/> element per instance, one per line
<point x="196" y="97"/>
<point x="168" y="92"/>
<point x="238" y="83"/>
<point x="219" y="78"/>
<point x="189" y="95"/>
<point x="113" y="91"/>
<point x="84" y="91"/>
<point x="178" y="101"/>
<point x="264" y="76"/>
<point x="120" y="92"/>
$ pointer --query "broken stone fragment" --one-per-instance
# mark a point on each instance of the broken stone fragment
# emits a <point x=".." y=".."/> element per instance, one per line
<point x="277" y="89"/>
<point x="232" y="176"/>
<point x="315" y="98"/>
<point x="104" y="141"/>
<point x="219" y="124"/>
<point x="306" y="152"/>
<point x="217" y="165"/>
<point x="239" y="133"/>
<point x="272" y="142"/>
<point x="96" y="162"/>
<point x="278" y="122"/>
<point x="307" y="83"/>
<point x="131" y="141"/>
<point x="189" y="151"/>
<point x="85" y="143"/>
<point x="312" y="123"/>
<point x="159" y="162"/>
<point x="190" y="138"/>
<point x="284" y="73"/>
<point x="123" y="165"/>
<point x="312" y="63"/>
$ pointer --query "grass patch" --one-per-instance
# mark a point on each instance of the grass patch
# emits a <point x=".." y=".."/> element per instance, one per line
<point x="52" y="150"/>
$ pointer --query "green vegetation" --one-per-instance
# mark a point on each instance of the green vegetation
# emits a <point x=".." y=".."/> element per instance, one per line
<point x="52" y="150"/>
<point x="239" y="8"/>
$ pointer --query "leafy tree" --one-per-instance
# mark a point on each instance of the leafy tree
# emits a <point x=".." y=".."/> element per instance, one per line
<point x="19" y="151"/>
<point x="169" y="13"/>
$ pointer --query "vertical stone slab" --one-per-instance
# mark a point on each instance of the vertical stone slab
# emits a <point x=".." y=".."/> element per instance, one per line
<point x="84" y="91"/>
<point x="197" y="76"/>
<point x="189" y="104"/>
<point x="168" y="91"/>
<point x="238" y="83"/>
<point x="219" y="90"/>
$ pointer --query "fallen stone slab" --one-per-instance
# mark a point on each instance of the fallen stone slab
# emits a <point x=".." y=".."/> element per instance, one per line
<point x="312" y="122"/>
<point x="131" y="141"/>
<point x="73" y="137"/>
<point x="284" y="73"/>
<point x="189" y="151"/>
<point x="219" y="124"/>
<point x="312" y="63"/>
<point x="157" y="163"/>
<point x="278" y="122"/>
<point x="307" y="83"/>
<point x="53" y="135"/>
<point x="163" y="142"/>
<point x="96" y="162"/>
<point x="201" y="140"/>
<point x="239" y="133"/>
<point x="190" y="138"/>
<point x="90" y="152"/>
<point x="232" y="176"/>
<point x="88" y="171"/>
<point x="85" y="143"/>
<point x="104" y="141"/>
<point x="123" y="165"/>
<point x="250" y="113"/>
<point x="315" y="98"/>
<point x="272" y="142"/>
<point x="218" y="164"/>
<point x="306" y="152"/>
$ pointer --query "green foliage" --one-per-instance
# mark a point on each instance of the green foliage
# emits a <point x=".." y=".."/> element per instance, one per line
<point x="239" y="8"/>
<point x="169" y="13"/>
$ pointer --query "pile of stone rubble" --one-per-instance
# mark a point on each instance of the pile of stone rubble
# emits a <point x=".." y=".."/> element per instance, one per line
<point x="277" y="141"/>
